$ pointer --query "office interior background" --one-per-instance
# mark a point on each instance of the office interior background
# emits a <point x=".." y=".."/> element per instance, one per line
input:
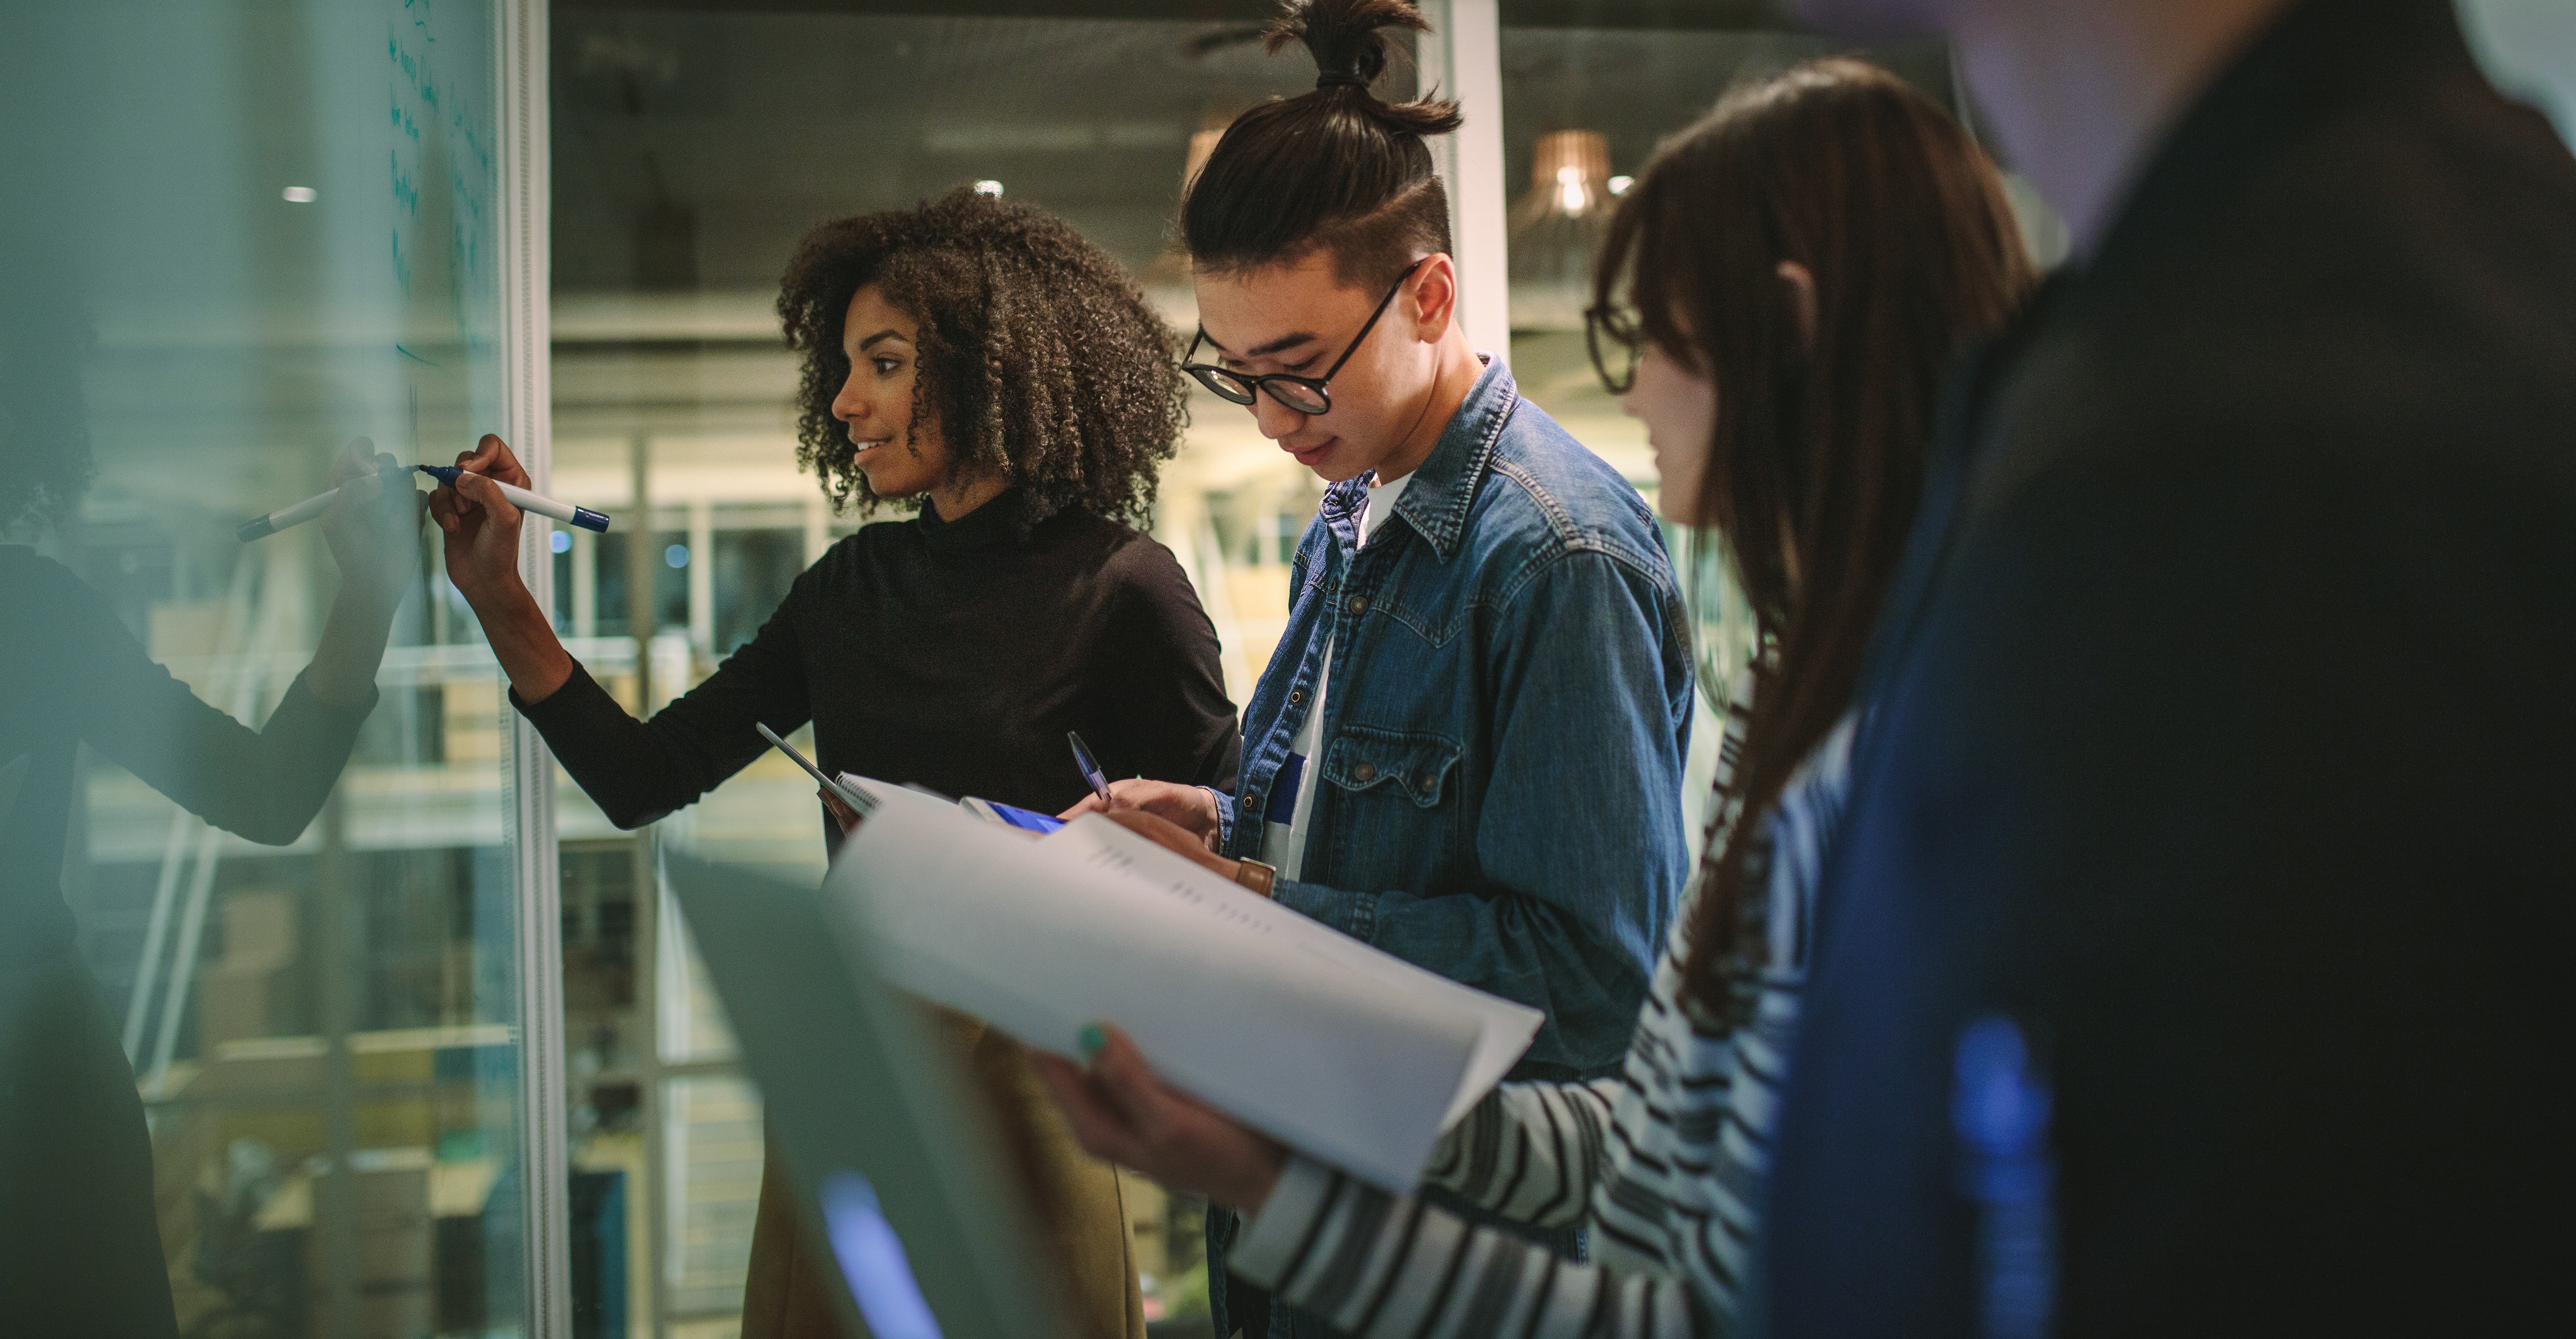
<point x="448" y="1065"/>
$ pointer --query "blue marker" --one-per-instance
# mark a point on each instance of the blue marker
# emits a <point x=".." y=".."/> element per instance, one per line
<point x="521" y="498"/>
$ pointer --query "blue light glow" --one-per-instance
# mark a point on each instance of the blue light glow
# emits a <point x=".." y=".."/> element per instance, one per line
<point x="872" y="1259"/>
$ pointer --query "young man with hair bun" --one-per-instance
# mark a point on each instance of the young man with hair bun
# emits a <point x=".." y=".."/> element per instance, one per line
<point x="1483" y="697"/>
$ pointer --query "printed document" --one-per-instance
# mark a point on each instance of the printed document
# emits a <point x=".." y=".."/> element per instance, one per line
<point x="1336" y="1048"/>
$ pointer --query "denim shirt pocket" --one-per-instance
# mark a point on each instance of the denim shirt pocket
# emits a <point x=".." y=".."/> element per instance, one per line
<point x="1413" y="763"/>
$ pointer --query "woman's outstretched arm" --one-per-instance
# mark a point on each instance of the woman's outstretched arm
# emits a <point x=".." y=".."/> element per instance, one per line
<point x="637" y="771"/>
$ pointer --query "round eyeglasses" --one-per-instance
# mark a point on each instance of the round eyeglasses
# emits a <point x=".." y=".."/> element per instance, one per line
<point x="1305" y="395"/>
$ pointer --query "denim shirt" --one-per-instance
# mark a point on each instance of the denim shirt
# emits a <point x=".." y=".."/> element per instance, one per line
<point x="1497" y="792"/>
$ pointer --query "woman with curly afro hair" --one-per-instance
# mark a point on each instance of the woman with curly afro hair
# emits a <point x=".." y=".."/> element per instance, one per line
<point x="983" y="361"/>
<point x="1034" y="355"/>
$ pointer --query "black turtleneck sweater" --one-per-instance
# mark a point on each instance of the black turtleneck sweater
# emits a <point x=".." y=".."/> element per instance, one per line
<point x="952" y="654"/>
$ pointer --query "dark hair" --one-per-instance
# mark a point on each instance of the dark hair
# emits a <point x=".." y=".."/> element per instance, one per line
<point x="1040" y="359"/>
<point x="1840" y="167"/>
<point x="1335" y="168"/>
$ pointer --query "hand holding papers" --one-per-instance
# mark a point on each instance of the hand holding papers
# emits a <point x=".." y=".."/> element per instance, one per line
<point x="1328" y="1044"/>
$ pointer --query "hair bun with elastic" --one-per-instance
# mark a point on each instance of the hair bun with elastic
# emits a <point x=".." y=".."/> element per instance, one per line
<point x="1335" y="168"/>
<point x="1347" y="38"/>
<point x="1350" y="41"/>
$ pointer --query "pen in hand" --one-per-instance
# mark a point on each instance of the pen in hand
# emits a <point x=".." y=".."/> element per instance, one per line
<point x="1090" y="768"/>
<point x="1191" y="808"/>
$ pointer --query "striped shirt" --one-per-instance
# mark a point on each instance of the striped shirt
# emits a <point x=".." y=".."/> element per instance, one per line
<point x="1664" y="1161"/>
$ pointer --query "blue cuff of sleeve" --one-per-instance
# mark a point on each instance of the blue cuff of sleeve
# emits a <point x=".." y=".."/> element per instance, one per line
<point x="1354" y="914"/>
<point x="1267" y="1242"/>
<point x="1224" y="817"/>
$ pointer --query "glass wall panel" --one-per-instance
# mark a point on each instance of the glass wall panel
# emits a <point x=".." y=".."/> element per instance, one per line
<point x="235" y="236"/>
<point x="691" y="150"/>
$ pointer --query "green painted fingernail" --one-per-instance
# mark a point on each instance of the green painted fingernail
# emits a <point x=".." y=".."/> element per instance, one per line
<point x="1090" y="1039"/>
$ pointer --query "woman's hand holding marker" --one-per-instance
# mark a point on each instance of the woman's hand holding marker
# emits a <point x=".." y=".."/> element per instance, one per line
<point x="482" y="545"/>
<point x="482" y="525"/>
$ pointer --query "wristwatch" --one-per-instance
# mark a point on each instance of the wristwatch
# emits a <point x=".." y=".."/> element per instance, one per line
<point x="1256" y="876"/>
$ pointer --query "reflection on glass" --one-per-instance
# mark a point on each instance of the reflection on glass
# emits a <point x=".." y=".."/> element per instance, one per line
<point x="237" y="237"/>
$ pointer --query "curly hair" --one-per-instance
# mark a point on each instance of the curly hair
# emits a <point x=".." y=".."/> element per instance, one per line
<point x="1039" y="358"/>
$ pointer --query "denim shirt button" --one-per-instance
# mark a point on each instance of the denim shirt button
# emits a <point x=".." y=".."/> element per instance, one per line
<point x="1363" y="772"/>
<point x="1296" y="695"/>
<point x="1358" y="604"/>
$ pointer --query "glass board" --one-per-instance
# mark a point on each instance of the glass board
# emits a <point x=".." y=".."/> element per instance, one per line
<point x="236" y="237"/>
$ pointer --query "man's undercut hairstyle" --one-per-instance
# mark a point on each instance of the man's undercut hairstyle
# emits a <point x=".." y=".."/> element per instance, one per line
<point x="1039" y="359"/>
<point x="1335" y="169"/>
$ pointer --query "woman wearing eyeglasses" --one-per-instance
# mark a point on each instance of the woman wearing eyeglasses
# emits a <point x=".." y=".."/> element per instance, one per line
<point x="981" y="358"/>
<point x="1777" y="299"/>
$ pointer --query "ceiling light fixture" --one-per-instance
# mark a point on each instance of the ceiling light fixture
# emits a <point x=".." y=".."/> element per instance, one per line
<point x="1556" y="228"/>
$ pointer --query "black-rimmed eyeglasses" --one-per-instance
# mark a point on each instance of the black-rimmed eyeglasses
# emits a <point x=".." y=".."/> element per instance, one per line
<point x="1306" y="395"/>
<point x="1611" y="336"/>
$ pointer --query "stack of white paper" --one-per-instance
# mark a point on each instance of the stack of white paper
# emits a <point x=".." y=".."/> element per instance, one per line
<point x="1340" y="1050"/>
